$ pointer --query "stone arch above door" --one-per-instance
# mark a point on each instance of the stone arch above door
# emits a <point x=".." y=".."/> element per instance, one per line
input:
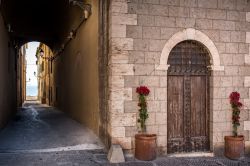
<point x="190" y="34"/>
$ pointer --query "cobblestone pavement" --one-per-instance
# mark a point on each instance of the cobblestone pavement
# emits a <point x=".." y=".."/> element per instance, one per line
<point x="98" y="158"/>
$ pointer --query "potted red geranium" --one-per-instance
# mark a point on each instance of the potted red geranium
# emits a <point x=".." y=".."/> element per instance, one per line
<point x="145" y="144"/>
<point x="234" y="145"/>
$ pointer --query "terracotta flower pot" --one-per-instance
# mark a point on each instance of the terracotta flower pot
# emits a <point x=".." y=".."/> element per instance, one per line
<point x="234" y="147"/>
<point x="145" y="146"/>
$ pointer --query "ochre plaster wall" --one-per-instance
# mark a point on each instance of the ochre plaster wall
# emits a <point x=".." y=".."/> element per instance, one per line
<point x="76" y="72"/>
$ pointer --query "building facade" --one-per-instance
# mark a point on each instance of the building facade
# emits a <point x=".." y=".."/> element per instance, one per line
<point x="191" y="54"/>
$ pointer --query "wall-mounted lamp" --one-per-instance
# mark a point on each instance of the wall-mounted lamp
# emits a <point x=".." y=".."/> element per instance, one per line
<point x="85" y="7"/>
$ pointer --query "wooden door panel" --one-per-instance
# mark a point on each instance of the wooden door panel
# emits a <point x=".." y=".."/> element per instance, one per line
<point x="175" y="112"/>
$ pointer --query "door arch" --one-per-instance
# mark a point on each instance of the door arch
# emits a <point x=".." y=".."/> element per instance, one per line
<point x="188" y="98"/>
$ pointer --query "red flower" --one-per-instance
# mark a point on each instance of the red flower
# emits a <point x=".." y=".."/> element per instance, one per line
<point x="142" y="90"/>
<point x="234" y="99"/>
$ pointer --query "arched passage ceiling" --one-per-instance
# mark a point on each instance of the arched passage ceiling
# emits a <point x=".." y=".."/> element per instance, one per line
<point x="35" y="20"/>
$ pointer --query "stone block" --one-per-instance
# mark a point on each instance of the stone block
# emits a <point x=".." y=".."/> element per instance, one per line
<point x="217" y="137"/>
<point x="161" y="141"/>
<point x="221" y="47"/>
<point x="238" y="59"/>
<point x="233" y="15"/>
<point x="119" y="58"/>
<point x="152" y="57"/>
<point x="131" y="81"/>
<point x="116" y="106"/>
<point x="216" y="104"/>
<point x="116" y="81"/>
<point x="162" y="130"/>
<point x="118" y="31"/>
<point x="223" y="25"/>
<point x="243" y="48"/>
<point x="156" y="45"/>
<point x="232" y="70"/>
<point x="219" y="116"/>
<point x="204" y="24"/>
<point x="216" y="14"/>
<point x="164" y="21"/>
<point x="120" y="93"/>
<point x="237" y="36"/>
<point x="185" y="22"/>
<point x="151" y="32"/>
<point x="232" y="47"/>
<point x="141" y="45"/>
<point x="227" y="59"/>
<point x="122" y="120"/>
<point x="134" y="32"/>
<point x="117" y="132"/>
<point x="115" y="154"/>
<point x="136" y="57"/>
<point x="188" y="3"/>
<point x="146" y="69"/>
<point x="178" y="11"/>
<point x="152" y="81"/>
<point x="247" y="125"/>
<point x="160" y="94"/>
<point x="219" y="93"/>
<point x="163" y="107"/>
<point x="214" y="35"/>
<point x="248" y="16"/>
<point x="215" y="81"/>
<point x="197" y="13"/>
<point x="225" y="36"/>
<point x="131" y="106"/>
<point x="247" y="103"/>
<point x="227" y="4"/>
<point x="158" y="10"/>
<point x="124" y="19"/>
<point x="154" y="106"/>
<point x="163" y="82"/>
<point x="238" y="81"/>
<point x="136" y="8"/>
<point x="146" y="20"/>
<point x="122" y="43"/>
<point x="207" y="4"/>
<point x="119" y="7"/>
<point x="247" y="59"/>
<point x="247" y="81"/>
<point x="161" y="118"/>
<point x="247" y="37"/>
<point x="166" y="33"/>
<point x="151" y="1"/>
<point x="122" y="69"/>
<point x="170" y="2"/>
<point x="244" y="70"/>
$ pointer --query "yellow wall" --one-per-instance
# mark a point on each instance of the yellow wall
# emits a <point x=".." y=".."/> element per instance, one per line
<point x="76" y="72"/>
<point x="7" y="76"/>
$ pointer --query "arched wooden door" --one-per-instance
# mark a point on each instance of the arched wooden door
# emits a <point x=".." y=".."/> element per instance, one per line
<point x="188" y="98"/>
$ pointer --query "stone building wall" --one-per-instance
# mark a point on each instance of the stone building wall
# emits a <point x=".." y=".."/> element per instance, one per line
<point x="142" y="33"/>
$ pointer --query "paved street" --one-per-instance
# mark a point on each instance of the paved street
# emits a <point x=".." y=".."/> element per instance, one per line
<point x="42" y="136"/>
